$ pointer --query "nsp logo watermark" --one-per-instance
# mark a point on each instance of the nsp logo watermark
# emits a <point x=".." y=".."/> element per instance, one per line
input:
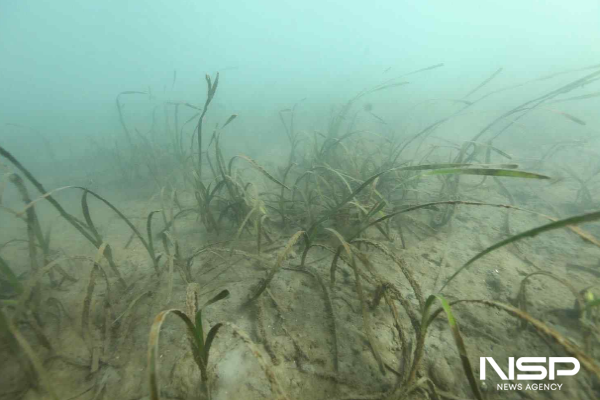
<point x="536" y="368"/>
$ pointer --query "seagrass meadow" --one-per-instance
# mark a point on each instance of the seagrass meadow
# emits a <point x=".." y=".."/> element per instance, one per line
<point x="354" y="260"/>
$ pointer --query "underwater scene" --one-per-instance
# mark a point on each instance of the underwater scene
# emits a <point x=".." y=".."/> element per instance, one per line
<point x="299" y="200"/>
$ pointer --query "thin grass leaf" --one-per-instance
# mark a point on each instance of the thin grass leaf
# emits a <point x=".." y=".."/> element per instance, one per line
<point x="388" y="86"/>
<point x="223" y="294"/>
<point x="35" y="361"/>
<point x="568" y="116"/>
<point x="229" y="120"/>
<point x="124" y="218"/>
<point x="278" y="263"/>
<point x="151" y="238"/>
<point x="153" y="347"/>
<point x="88" y="218"/>
<point x="86" y="328"/>
<point x="493" y="148"/>
<point x="210" y="337"/>
<point x="359" y="291"/>
<point x="328" y="215"/>
<point x="585" y="96"/>
<point x="256" y="166"/>
<point x="485" y="82"/>
<point x="202" y="350"/>
<point x="586" y="361"/>
<point x="43" y="197"/>
<point x="522" y="294"/>
<point x="428" y="205"/>
<point x="10" y="277"/>
<point x="579" y="219"/>
<point x="401" y="264"/>
<point x="487" y="171"/>
<point x="458" y="341"/>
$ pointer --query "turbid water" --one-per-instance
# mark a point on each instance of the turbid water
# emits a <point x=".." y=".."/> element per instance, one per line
<point x="294" y="226"/>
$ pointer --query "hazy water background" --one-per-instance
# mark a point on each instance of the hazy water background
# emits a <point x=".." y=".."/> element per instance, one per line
<point x="63" y="62"/>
